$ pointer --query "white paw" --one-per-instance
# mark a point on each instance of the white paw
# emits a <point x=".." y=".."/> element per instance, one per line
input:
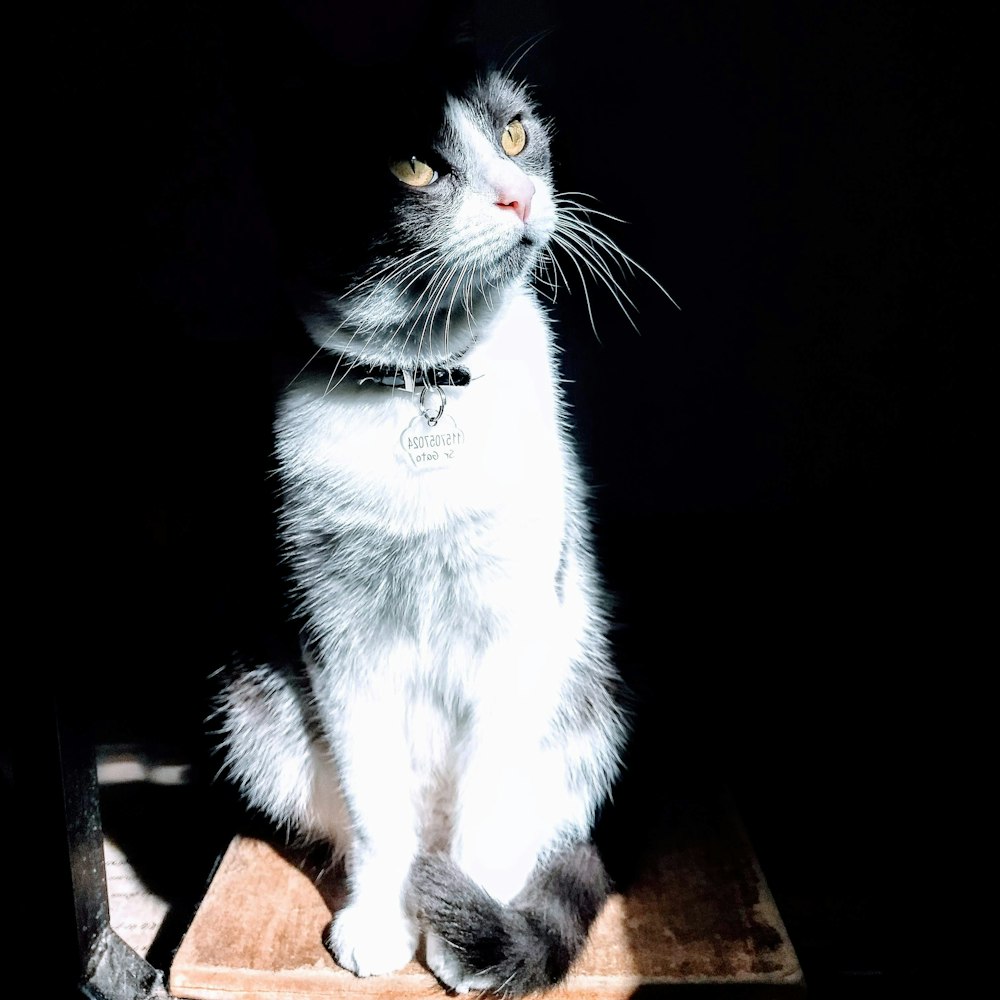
<point x="445" y="964"/>
<point x="370" y="942"/>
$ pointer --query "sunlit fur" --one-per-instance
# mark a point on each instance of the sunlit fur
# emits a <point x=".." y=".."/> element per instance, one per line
<point x="454" y="725"/>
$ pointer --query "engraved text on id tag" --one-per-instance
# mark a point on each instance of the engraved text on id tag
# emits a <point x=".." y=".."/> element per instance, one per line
<point x="432" y="447"/>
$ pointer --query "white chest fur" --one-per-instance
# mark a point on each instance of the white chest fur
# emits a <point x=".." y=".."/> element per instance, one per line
<point x="510" y="459"/>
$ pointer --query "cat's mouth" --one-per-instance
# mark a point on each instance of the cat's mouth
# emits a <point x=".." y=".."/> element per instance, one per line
<point x="517" y="258"/>
<point x="530" y="238"/>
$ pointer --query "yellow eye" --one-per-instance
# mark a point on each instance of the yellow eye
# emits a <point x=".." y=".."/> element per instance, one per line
<point x="414" y="172"/>
<point x="513" y="138"/>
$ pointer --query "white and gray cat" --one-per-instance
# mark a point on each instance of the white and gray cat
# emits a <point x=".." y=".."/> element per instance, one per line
<point x="454" y="724"/>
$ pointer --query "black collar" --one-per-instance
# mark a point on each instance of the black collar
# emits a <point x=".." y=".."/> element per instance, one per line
<point x="393" y="376"/>
<point x="397" y="378"/>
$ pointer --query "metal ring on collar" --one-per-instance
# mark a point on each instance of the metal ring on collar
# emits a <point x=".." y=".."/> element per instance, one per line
<point x="432" y="420"/>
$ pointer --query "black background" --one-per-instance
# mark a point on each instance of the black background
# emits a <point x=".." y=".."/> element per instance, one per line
<point x="780" y="466"/>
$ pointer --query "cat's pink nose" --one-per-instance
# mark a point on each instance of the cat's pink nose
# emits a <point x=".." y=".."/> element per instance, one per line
<point x="517" y="196"/>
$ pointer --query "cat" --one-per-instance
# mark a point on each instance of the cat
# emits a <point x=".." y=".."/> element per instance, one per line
<point x="455" y="722"/>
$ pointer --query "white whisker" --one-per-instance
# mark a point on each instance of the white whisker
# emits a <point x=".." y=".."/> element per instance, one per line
<point x="568" y="221"/>
<point x="583" y="281"/>
<point x="522" y="50"/>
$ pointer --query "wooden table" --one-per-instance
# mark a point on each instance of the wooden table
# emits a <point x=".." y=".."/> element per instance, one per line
<point x="695" y="915"/>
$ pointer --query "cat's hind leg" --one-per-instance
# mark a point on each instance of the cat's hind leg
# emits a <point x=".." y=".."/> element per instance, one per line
<point x="274" y="753"/>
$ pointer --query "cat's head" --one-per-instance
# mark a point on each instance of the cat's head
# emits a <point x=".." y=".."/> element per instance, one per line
<point x="408" y="192"/>
<point x="404" y="254"/>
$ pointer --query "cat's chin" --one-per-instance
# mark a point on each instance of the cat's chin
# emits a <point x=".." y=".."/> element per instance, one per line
<point x="439" y="345"/>
<point x="517" y="261"/>
<point x="390" y="329"/>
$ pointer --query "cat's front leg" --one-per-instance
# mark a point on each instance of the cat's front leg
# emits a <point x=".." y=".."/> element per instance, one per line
<point x="374" y="933"/>
<point x="517" y="794"/>
<point x="516" y="808"/>
<point x="519" y="802"/>
<point x="516" y="805"/>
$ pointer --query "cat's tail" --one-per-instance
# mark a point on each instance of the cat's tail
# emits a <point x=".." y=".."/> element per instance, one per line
<point x="475" y="942"/>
